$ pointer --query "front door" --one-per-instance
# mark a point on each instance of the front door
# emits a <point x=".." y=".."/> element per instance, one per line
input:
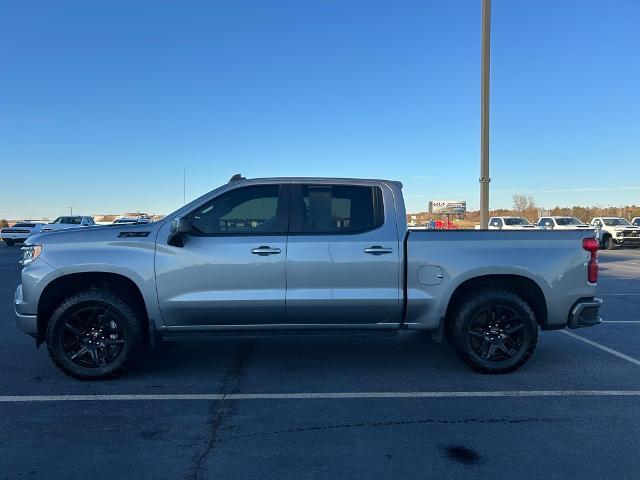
<point x="343" y="258"/>
<point x="231" y="269"/>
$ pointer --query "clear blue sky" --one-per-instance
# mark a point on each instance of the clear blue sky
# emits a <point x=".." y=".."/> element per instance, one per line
<point x="103" y="103"/>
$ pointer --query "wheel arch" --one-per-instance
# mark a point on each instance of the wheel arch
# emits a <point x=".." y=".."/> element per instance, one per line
<point x="64" y="286"/>
<point x="522" y="286"/>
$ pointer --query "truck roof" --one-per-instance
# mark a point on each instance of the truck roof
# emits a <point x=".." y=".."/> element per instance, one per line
<point x="237" y="178"/>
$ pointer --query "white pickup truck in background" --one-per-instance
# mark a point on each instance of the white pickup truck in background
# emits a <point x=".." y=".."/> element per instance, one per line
<point x="510" y="223"/>
<point x="562" y="223"/>
<point x="616" y="232"/>
<point x="19" y="232"/>
<point x="62" y="223"/>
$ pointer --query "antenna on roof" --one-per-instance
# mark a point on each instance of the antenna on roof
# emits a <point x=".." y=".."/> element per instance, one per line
<point x="236" y="177"/>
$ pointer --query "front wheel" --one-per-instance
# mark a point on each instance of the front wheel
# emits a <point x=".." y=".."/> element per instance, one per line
<point x="493" y="331"/>
<point x="607" y="243"/>
<point x="93" y="334"/>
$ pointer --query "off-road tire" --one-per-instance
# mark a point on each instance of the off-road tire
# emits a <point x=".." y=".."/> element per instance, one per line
<point x="607" y="243"/>
<point x="129" y="321"/>
<point x="458" y="329"/>
<point x="9" y="243"/>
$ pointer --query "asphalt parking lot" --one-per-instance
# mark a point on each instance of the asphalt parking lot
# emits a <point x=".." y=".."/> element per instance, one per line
<point x="332" y="407"/>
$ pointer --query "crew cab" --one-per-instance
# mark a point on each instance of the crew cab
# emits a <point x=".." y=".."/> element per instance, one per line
<point x="616" y="231"/>
<point x="19" y="232"/>
<point x="510" y="223"/>
<point x="562" y="223"/>
<point x="62" y="223"/>
<point x="303" y="256"/>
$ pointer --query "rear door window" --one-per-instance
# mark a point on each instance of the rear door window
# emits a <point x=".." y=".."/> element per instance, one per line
<point x="336" y="209"/>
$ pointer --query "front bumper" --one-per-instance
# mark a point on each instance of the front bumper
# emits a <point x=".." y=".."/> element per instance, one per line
<point x="13" y="237"/>
<point x="626" y="240"/>
<point x="26" y="321"/>
<point x="585" y="313"/>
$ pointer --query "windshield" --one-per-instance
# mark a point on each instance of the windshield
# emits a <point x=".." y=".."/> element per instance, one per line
<point x="564" y="221"/>
<point x="69" y="220"/>
<point x="614" y="222"/>
<point x="516" y="221"/>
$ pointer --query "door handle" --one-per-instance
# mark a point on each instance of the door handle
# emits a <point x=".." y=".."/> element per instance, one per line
<point x="377" y="250"/>
<point x="265" y="250"/>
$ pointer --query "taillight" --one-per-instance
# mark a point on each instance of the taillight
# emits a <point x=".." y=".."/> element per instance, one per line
<point x="591" y="245"/>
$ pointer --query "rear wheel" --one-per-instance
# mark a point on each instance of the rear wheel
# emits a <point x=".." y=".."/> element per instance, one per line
<point x="9" y="243"/>
<point x="94" y="334"/>
<point x="493" y="331"/>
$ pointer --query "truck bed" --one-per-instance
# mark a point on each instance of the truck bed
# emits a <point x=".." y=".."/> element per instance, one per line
<point x="439" y="262"/>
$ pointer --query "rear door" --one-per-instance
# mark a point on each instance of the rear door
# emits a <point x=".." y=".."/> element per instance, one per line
<point x="343" y="258"/>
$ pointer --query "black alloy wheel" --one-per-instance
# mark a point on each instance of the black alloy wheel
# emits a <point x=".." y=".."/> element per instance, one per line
<point x="496" y="333"/>
<point x="92" y="337"/>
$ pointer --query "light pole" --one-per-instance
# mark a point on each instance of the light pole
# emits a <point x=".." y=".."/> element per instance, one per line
<point x="484" y="114"/>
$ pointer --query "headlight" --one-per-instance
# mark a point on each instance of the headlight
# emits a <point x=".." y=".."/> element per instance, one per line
<point x="30" y="253"/>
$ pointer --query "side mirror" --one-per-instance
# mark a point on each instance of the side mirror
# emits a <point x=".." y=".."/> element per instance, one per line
<point x="180" y="226"/>
<point x="548" y="225"/>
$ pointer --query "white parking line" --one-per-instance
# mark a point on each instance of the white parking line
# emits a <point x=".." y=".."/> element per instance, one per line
<point x="602" y="347"/>
<point x="320" y="396"/>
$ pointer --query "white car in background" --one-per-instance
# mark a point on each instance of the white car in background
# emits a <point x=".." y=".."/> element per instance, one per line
<point x="562" y="223"/>
<point x="616" y="232"/>
<point x="510" y="223"/>
<point x="71" y="221"/>
<point x="20" y="232"/>
<point x="636" y="221"/>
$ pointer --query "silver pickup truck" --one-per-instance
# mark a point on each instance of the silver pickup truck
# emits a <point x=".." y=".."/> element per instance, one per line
<point x="300" y="255"/>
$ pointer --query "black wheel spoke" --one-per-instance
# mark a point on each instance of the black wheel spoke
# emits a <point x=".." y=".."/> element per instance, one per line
<point x="485" y="346"/>
<point x="79" y="353"/>
<point x="73" y="329"/>
<point x="490" y="352"/>
<point x="514" y="329"/>
<point x="473" y="333"/>
<point x="95" y="359"/>
<point x="509" y="351"/>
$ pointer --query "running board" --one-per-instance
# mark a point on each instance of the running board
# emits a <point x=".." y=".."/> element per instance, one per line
<point x="184" y="334"/>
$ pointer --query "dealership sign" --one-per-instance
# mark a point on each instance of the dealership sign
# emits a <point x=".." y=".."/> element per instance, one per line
<point x="448" y="206"/>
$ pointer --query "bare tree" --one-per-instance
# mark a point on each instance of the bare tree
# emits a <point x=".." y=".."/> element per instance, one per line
<point x="525" y="206"/>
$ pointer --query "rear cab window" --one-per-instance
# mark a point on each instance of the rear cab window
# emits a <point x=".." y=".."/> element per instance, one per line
<point x="335" y="209"/>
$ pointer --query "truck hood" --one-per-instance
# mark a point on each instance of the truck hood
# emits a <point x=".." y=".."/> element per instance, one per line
<point x="97" y="233"/>
<point x="519" y="227"/>
<point x="620" y="228"/>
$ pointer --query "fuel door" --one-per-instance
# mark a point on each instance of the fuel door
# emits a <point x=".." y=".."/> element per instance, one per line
<point x="430" y="275"/>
